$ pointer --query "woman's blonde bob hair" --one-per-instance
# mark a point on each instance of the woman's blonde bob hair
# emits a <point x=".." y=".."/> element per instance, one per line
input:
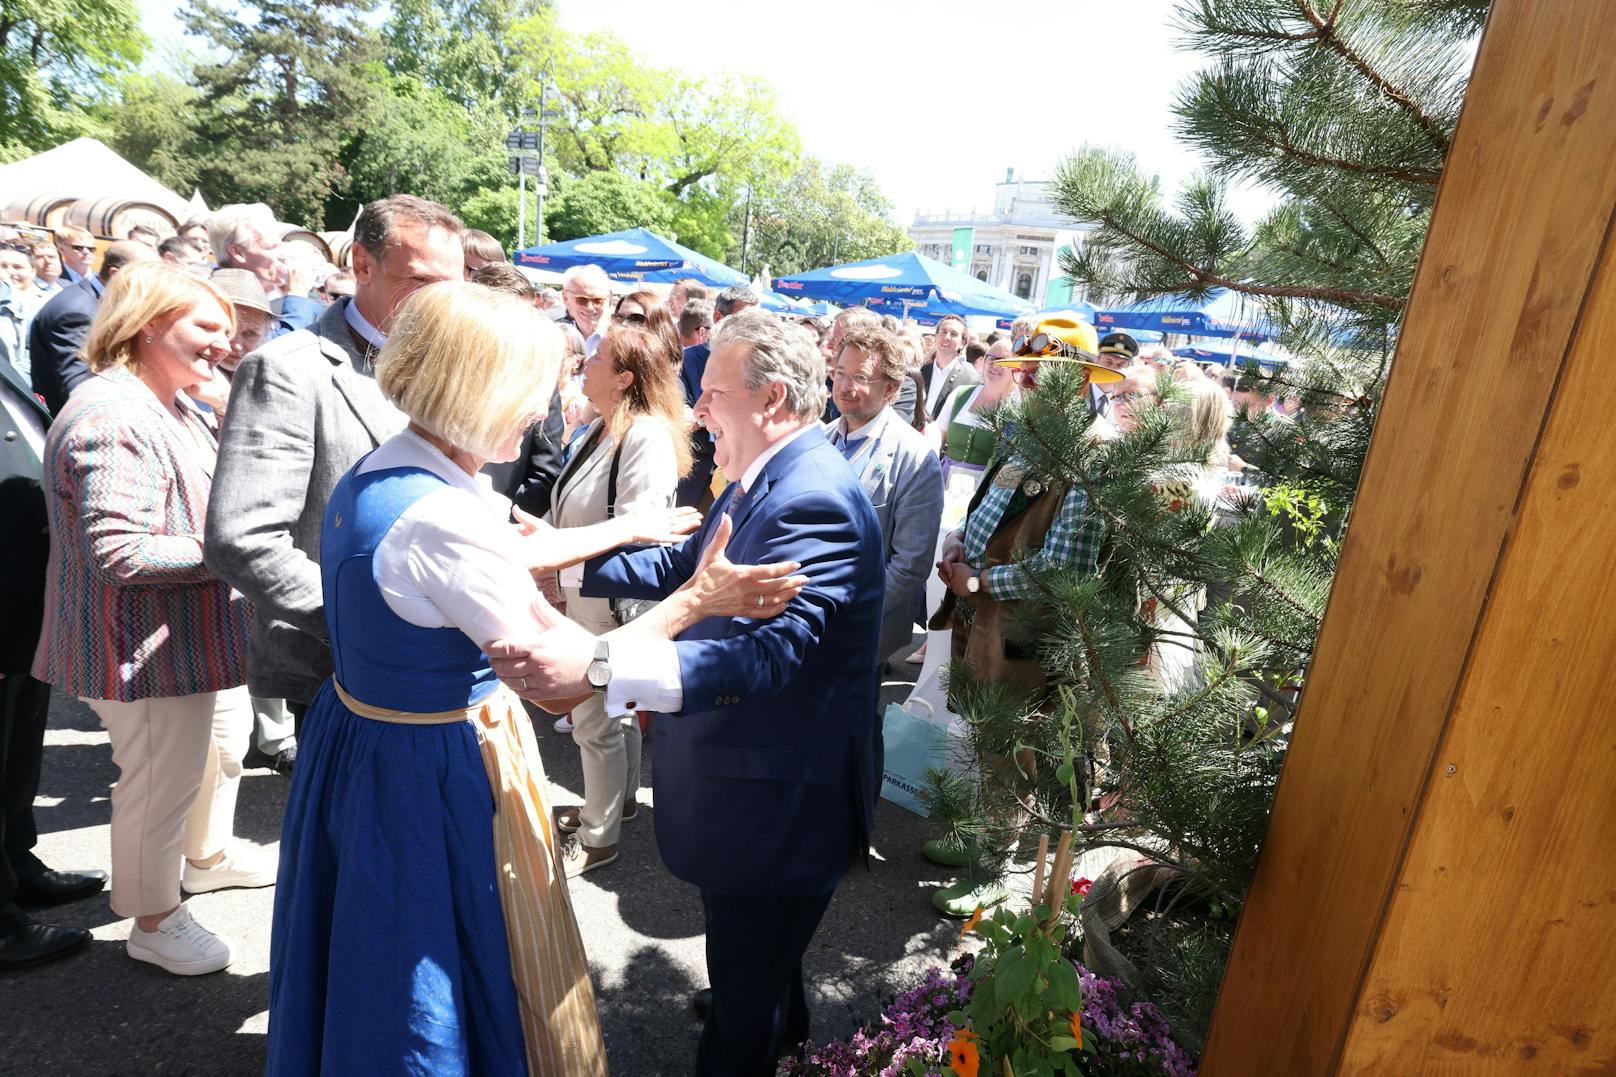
<point x="470" y="365"/>
<point x="140" y="295"/>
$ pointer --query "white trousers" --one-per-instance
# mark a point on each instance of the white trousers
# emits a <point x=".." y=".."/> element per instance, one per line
<point x="608" y="747"/>
<point x="179" y="769"/>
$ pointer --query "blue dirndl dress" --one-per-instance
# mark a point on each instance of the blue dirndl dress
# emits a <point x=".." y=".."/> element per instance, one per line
<point x="390" y="951"/>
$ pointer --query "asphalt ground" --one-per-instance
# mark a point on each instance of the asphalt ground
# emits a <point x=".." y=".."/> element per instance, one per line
<point x="98" y="1012"/>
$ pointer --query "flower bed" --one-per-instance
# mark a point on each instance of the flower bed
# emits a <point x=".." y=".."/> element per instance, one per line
<point x="914" y="1035"/>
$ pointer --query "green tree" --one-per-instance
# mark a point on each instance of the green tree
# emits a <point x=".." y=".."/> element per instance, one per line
<point x="291" y="87"/>
<point x="56" y="61"/>
<point x="819" y="215"/>
<point x="153" y="126"/>
<point x="606" y="202"/>
<point x="494" y="210"/>
<point x="465" y="50"/>
<point x="1347" y="111"/>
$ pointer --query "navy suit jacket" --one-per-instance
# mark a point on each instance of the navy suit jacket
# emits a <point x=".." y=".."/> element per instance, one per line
<point x="701" y="442"/>
<point x="24" y="534"/>
<point x="56" y="342"/>
<point x="765" y="781"/>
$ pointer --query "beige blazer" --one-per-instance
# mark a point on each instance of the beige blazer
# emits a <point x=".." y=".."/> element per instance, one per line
<point x="647" y="475"/>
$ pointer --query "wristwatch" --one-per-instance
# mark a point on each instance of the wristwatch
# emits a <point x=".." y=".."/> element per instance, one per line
<point x="974" y="583"/>
<point x="600" y="670"/>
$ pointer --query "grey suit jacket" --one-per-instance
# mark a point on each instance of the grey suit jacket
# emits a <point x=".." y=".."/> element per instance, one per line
<point x="303" y="409"/>
<point x="905" y="485"/>
<point x="959" y="373"/>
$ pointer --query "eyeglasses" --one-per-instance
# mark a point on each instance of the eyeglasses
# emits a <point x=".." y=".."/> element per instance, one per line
<point x="82" y="248"/>
<point x="593" y="302"/>
<point x="1025" y="376"/>
<point x="857" y="379"/>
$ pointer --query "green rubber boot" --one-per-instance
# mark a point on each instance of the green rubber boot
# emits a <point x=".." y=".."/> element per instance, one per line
<point x="947" y="851"/>
<point x="963" y="898"/>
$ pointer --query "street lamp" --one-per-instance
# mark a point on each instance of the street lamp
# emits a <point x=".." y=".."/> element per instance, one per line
<point x="523" y="139"/>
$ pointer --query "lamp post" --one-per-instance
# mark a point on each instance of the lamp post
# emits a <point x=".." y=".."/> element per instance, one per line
<point x="525" y="138"/>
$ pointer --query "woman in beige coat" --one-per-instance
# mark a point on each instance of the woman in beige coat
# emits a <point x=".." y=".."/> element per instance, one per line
<point x="636" y="451"/>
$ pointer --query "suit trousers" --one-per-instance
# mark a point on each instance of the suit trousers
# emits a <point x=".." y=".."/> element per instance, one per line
<point x="273" y="727"/>
<point x="609" y="747"/>
<point x="754" y="963"/>
<point x="24" y="703"/>
<point x="179" y="768"/>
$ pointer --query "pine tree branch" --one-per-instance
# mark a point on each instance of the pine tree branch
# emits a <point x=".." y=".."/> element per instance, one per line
<point x="1331" y="38"/>
<point x="1340" y="296"/>
<point x="1282" y="144"/>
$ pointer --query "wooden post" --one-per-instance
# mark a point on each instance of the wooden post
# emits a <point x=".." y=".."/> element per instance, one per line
<point x="1437" y="892"/>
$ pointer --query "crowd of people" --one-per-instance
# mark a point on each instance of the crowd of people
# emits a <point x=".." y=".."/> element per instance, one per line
<point x="364" y="525"/>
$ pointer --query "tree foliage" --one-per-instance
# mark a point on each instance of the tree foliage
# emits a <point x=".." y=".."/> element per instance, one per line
<point x="822" y="214"/>
<point x="606" y="202"/>
<point x="57" y="58"/>
<point x="290" y="88"/>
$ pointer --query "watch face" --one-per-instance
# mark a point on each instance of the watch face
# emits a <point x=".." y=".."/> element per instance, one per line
<point x="599" y="673"/>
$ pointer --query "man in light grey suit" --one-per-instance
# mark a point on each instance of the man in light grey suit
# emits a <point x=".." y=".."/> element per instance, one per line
<point x="897" y="468"/>
<point x="303" y="409"/>
<point x="948" y="369"/>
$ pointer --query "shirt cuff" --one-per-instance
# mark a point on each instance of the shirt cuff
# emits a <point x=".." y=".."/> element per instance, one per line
<point x="645" y="677"/>
<point x="573" y="576"/>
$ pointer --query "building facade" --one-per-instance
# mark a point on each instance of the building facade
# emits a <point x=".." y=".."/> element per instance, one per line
<point x="1016" y="247"/>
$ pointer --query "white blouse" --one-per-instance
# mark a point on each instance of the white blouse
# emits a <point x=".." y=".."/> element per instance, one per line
<point x="452" y="560"/>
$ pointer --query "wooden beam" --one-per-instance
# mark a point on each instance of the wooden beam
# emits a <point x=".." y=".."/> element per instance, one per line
<point x="1520" y="222"/>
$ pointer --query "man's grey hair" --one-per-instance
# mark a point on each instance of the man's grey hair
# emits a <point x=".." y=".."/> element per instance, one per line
<point x="239" y="225"/>
<point x="736" y="297"/>
<point x="776" y="353"/>
<point x="586" y="275"/>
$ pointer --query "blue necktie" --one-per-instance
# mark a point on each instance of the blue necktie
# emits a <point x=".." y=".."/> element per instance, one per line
<point x="849" y="448"/>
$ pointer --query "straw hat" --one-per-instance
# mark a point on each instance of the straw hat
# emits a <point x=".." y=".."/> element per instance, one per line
<point x="1061" y="339"/>
<point x="241" y="287"/>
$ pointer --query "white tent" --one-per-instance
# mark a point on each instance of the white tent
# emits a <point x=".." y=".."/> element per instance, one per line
<point x="85" y="168"/>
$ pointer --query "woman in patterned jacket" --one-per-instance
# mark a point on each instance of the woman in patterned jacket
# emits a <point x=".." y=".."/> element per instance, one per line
<point x="135" y="624"/>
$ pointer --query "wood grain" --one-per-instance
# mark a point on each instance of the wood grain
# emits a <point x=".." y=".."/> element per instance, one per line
<point x="1519" y="224"/>
<point x="1498" y="949"/>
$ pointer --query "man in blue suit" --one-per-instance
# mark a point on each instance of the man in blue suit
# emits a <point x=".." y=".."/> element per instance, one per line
<point x="764" y="778"/>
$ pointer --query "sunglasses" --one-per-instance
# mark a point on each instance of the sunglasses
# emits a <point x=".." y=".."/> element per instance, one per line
<point x="632" y="319"/>
<point x="1041" y="344"/>
<point x="82" y="248"/>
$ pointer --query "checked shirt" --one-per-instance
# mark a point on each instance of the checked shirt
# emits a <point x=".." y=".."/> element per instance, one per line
<point x="1074" y="541"/>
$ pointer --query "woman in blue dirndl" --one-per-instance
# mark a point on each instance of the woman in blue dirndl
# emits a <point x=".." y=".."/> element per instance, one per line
<point x="422" y="923"/>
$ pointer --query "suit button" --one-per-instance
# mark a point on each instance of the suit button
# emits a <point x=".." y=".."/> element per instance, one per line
<point x="718" y="701"/>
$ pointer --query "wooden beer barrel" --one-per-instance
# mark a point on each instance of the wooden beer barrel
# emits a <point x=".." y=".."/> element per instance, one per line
<point x="340" y="244"/>
<point x="45" y="209"/>
<point x="293" y="234"/>
<point x="112" y="217"/>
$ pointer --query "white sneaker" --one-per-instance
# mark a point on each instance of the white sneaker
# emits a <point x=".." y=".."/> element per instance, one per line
<point x="235" y="870"/>
<point x="180" y="945"/>
<point x="563" y="724"/>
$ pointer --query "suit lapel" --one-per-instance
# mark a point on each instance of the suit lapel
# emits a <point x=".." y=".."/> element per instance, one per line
<point x="377" y="416"/>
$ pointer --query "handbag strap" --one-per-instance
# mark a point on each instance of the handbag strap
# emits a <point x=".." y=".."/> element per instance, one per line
<point x="611" y="479"/>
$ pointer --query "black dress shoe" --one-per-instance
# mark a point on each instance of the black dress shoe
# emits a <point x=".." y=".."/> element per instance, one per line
<point x="285" y="759"/>
<point x="60" y="887"/>
<point x="37" y="944"/>
<point x="701" y="1002"/>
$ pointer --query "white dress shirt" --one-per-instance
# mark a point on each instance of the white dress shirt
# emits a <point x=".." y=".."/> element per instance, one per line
<point x="361" y="326"/>
<point x="451" y="560"/>
<point x="939" y="377"/>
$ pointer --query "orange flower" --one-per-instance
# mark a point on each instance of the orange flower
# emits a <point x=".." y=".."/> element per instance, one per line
<point x="1077" y="1030"/>
<point x="962" y="1054"/>
<point x="970" y="925"/>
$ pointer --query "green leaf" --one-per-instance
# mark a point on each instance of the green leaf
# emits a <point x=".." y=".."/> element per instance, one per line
<point x="1065" y="987"/>
<point x="1063" y="1043"/>
<point x="1014" y="977"/>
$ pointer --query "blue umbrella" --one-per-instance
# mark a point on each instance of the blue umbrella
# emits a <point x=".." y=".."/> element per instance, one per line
<point x="1221" y="314"/>
<point x="1229" y="352"/>
<point x="907" y="283"/>
<point x="632" y="254"/>
<point x="1084" y="312"/>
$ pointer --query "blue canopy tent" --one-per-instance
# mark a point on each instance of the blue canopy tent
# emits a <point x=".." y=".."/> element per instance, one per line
<point x="632" y="254"/>
<point x="1221" y="314"/>
<point x="904" y="284"/>
<point x="1230" y="352"/>
<point x="1084" y="311"/>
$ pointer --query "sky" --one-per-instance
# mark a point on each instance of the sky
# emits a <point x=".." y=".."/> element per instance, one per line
<point x="936" y="99"/>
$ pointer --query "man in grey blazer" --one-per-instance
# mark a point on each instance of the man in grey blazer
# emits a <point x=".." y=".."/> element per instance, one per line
<point x="948" y="369"/>
<point x="897" y="468"/>
<point x="303" y="409"/>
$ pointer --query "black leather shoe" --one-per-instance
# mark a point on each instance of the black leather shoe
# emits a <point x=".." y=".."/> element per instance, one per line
<point x="285" y="759"/>
<point x="38" y="944"/>
<point x="60" y="887"/>
<point x="701" y="1002"/>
